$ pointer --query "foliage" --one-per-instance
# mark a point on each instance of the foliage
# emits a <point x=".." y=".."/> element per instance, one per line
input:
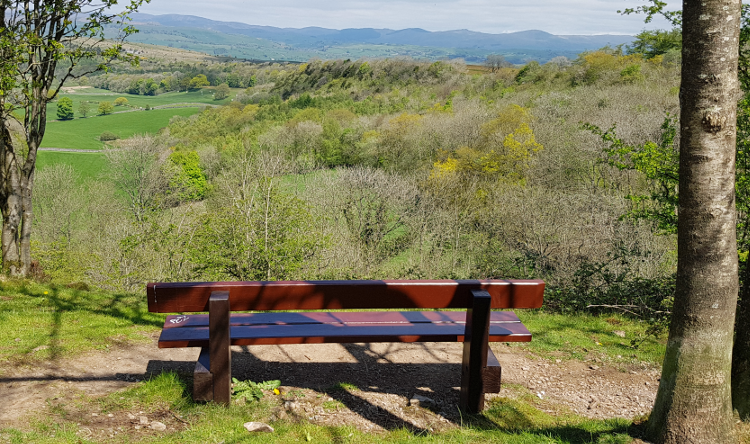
<point x="656" y="42"/>
<point x="256" y="230"/>
<point x="107" y="136"/>
<point x="105" y="108"/>
<point x="503" y="153"/>
<point x="252" y="391"/>
<point x="658" y="162"/>
<point x="64" y="108"/>
<point x="83" y="108"/>
<point x="41" y="47"/>
<point x="121" y="101"/>
<point x="188" y="182"/>
<point x="221" y="92"/>
<point x="198" y="82"/>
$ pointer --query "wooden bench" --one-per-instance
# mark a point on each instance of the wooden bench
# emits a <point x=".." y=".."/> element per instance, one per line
<point x="215" y="332"/>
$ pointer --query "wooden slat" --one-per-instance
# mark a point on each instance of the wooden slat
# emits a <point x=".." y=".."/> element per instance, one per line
<point x="359" y="317"/>
<point x="316" y="295"/>
<point x="340" y="333"/>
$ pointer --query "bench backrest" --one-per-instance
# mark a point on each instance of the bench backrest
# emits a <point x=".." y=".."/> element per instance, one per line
<point x="321" y="295"/>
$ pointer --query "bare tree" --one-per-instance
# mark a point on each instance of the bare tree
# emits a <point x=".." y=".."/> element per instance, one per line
<point x="137" y="170"/>
<point x="693" y="404"/>
<point x="37" y="38"/>
<point x="495" y="61"/>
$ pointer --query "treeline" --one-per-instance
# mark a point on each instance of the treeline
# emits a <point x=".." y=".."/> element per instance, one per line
<point x="384" y="169"/>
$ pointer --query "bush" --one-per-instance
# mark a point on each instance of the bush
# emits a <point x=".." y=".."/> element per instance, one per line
<point x="105" y="108"/>
<point x="121" y="101"/>
<point x="107" y="136"/>
<point x="65" y="108"/>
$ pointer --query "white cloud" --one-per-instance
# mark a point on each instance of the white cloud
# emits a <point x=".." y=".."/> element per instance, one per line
<point x="555" y="16"/>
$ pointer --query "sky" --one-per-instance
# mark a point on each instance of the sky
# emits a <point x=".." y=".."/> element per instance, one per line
<point x="491" y="16"/>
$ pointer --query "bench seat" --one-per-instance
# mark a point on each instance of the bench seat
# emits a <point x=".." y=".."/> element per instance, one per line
<point x="339" y="327"/>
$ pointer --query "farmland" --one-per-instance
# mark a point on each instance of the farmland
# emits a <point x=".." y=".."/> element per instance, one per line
<point x="84" y="133"/>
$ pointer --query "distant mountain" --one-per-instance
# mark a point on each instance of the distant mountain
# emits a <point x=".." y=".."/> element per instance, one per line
<point x="304" y="43"/>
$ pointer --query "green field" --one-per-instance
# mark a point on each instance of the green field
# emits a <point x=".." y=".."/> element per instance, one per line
<point x="84" y="133"/>
<point x="95" y="95"/>
<point x="86" y="165"/>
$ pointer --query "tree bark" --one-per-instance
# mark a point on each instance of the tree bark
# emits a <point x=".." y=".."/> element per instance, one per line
<point x="10" y="204"/>
<point x="693" y="404"/>
<point x="741" y="351"/>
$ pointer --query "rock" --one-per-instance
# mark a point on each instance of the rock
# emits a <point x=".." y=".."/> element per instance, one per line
<point x="619" y="333"/>
<point x="40" y="348"/>
<point x="421" y="401"/>
<point x="158" y="426"/>
<point x="594" y="367"/>
<point x="258" y="427"/>
<point x="143" y="420"/>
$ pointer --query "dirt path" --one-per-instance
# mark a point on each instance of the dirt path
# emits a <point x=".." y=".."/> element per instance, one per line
<point x="387" y="377"/>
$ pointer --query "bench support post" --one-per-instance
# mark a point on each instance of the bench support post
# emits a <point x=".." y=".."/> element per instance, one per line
<point x="218" y="345"/>
<point x="203" y="383"/>
<point x="476" y="345"/>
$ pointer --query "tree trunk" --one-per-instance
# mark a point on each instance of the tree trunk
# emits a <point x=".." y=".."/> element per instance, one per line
<point x="693" y="404"/>
<point x="741" y="352"/>
<point x="10" y="205"/>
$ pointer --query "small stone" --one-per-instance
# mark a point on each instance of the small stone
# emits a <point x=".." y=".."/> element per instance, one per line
<point x="131" y="416"/>
<point x="258" y="427"/>
<point x="110" y="415"/>
<point x="18" y="339"/>
<point x="524" y="368"/>
<point x="158" y="426"/>
<point x="558" y="361"/>
<point x="137" y="427"/>
<point x="143" y="420"/>
<point x="619" y="333"/>
<point x="419" y="400"/>
<point x="94" y="414"/>
<point x="40" y="348"/>
<point x="594" y="367"/>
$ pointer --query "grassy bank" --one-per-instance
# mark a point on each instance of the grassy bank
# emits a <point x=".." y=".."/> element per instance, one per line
<point x="84" y="133"/>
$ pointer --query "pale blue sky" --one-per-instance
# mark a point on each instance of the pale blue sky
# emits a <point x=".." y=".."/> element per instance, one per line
<point x="493" y="16"/>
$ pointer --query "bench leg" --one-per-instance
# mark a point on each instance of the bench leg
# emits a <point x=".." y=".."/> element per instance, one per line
<point x="203" y="383"/>
<point x="218" y="344"/>
<point x="476" y="346"/>
<point x="492" y="373"/>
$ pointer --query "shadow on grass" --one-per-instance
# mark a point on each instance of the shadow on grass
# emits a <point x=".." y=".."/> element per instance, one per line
<point x="70" y="305"/>
<point x="353" y="384"/>
<point x="514" y="417"/>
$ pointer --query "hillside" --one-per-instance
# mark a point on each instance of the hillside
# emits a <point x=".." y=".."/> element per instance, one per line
<point x="267" y="42"/>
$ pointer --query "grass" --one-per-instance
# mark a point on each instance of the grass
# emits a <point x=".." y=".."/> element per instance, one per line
<point x="44" y="322"/>
<point x="96" y="95"/>
<point x="166" y="398"/>
<point x="582" y="336"/>
<point x="91" y="165"/>
<point x="84" y="133"/>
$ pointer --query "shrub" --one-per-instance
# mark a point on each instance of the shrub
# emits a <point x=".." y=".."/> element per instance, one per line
<point x="105" y="108"/>
<point x="121" y="101"/>
<point x="107" y="136"/>
<point x="65" y="108"/>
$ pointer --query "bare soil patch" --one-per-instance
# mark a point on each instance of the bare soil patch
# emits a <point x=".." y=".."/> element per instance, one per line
<point x="386" y="377"/>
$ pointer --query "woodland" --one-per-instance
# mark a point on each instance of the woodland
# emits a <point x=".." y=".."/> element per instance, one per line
<point x="390" y="168"/>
